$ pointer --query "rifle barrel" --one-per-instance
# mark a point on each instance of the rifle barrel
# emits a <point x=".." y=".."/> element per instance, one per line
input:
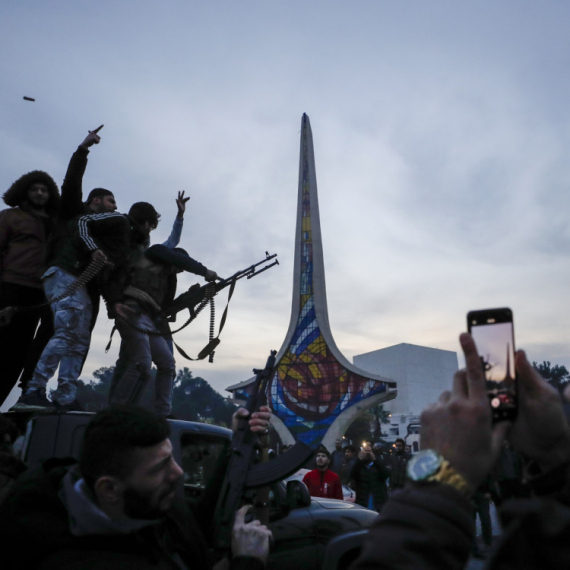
<point x="250" y="272"/>
<point x="263" y="269"/>
<point x="193" y="296"/>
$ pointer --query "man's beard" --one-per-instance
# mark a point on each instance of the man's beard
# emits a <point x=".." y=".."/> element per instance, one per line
<point x="138" y="505"/>
<point x="38" y="203"/>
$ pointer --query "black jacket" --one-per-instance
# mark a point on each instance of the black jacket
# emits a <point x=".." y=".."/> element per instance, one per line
<point x="398" y="463"/>
<point x="370" y="480"/>
<point x="71" y="204"/>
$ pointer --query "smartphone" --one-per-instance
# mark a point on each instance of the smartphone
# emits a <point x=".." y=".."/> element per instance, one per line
<point x="493" y="333"/>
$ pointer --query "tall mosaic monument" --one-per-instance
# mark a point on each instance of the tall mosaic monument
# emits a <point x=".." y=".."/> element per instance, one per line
<point x="315" y="392"/>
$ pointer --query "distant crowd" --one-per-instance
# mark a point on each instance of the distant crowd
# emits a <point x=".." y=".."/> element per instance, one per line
<point x="372" y="473"/>
<point x="376" y="471"/>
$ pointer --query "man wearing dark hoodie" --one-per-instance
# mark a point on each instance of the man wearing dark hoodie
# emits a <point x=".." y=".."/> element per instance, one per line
<point x="121" y="506"/>
<point x="24" y="232"/>
<point x="397" y="465"/>
<point x="369" y="476"/>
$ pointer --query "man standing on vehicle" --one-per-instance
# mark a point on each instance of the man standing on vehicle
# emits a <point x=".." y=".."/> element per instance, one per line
<point x="24" y="232"/>
<point x="120" y="508"/>
<point x="72" y="321"/>
<point x="322" y="482"/>
<point x="147" y="286"/>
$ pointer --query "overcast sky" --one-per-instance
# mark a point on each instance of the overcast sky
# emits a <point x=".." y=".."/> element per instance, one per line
<point x="441" y="134"/>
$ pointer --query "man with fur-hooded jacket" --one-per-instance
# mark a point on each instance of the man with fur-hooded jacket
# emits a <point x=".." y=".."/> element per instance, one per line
<point x="67" y="340"/>
<point x="70" y="205"/>
<point x="24" y="233"/>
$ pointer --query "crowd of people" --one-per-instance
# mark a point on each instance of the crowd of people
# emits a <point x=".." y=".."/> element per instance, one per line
<point x="49" y="243"/>
<point x="118" y="506"/>
<point x="378" y="470"/>
<point x="373" y="472"/>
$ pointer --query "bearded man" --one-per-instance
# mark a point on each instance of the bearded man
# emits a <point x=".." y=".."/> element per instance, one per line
<point x="322" y="482"/>
<point x="24" y="233"/>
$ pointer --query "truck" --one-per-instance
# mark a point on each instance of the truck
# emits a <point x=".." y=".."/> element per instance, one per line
<point x="309" y="533"/>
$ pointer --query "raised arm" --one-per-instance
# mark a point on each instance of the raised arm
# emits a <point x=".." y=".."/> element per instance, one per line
<point x="162" y="254"/>
<point x="174" y="237"/>
<point x="71" y="202"/>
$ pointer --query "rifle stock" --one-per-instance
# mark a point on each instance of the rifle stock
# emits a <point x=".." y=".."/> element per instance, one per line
<point x="245" y="474"/>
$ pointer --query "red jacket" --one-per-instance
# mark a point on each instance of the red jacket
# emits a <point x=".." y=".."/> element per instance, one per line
<point x="324" y="484"/>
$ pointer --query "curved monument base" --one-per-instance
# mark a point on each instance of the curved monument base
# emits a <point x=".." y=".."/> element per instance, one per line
<point x="341" y="424"/>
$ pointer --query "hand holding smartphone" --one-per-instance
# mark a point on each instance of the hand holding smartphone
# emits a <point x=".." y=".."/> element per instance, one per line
<point x="493" y="333"/>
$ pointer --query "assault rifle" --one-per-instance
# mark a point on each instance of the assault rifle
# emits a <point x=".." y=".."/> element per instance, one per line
<point x="245" y="473"/>
<point x="196" y="294"/>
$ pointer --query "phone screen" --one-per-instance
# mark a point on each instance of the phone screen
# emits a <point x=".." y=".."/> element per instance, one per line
<point x="493" y="333"/>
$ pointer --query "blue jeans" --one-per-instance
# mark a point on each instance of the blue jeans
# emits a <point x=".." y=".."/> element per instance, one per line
<point x="70" y="342"/>
<point x="137" y="353"/>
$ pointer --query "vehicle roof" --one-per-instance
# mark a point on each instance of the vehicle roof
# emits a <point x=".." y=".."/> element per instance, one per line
<point x="183" y="425"/>
<point x="175" y="425"/>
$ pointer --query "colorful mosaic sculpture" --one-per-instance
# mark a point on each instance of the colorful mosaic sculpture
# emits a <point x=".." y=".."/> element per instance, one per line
<point x="313" y="383"/>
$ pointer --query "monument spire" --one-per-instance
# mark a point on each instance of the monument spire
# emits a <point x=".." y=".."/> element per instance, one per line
<point x="314" y="391"/>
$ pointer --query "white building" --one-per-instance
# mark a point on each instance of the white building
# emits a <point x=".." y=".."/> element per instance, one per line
<point x="422" y="374"/>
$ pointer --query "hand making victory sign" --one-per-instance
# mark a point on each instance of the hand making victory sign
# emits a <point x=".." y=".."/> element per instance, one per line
<point x="181" y="203"/>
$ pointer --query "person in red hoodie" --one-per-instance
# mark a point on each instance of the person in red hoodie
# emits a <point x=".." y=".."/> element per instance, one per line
<point x="322" y="482"/>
